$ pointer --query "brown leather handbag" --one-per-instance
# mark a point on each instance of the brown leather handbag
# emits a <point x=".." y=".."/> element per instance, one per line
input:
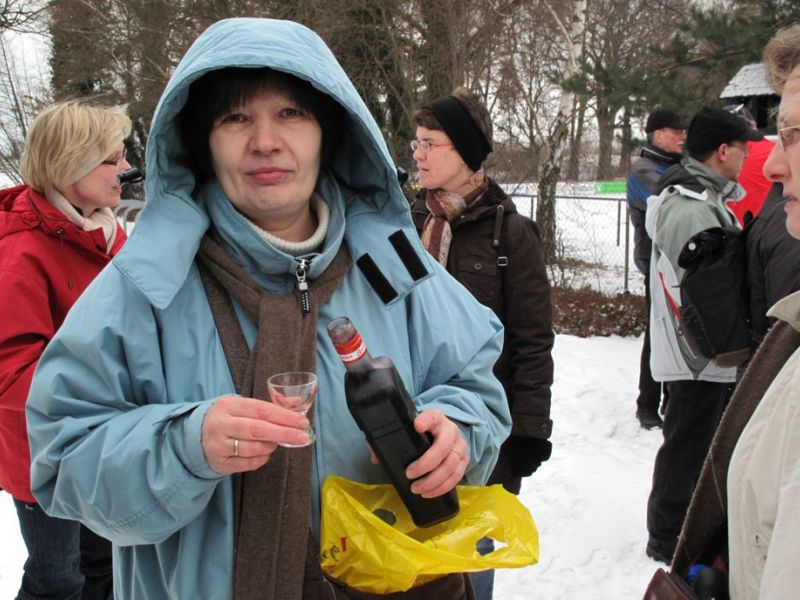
<point x="451" y="587"/>
<point x="668" y="586"/>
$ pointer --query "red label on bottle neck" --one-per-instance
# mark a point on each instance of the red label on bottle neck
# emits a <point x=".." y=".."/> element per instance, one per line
<point x="351" y="351"/>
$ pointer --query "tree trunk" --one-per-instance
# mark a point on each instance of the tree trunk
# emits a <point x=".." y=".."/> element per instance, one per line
<point x="605" y="131"/>
<point x="551" y="169"/>
<point x="574" y="166"/>
<point x="440" y="46"/>
<point x="546" y="209"/>
<point x="534" y="162"/>
<point x="626" y="146"/>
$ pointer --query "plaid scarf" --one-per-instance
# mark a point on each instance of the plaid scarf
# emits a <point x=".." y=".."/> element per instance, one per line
<point x="444" y="208"/>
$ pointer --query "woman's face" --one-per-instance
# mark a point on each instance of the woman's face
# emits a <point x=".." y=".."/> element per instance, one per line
<point x="266" y="156"/>
<point x="783" y="164"/>
<point x="441" y="167"/>
<point x="100" y="187"/>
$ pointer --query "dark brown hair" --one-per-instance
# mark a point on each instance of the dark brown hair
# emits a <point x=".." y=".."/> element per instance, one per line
<point x="217" y="92"/>
<point x="423" y="117"/>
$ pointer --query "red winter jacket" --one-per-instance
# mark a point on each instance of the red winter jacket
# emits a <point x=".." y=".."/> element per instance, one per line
<point x="46" y="262"/>
<point x="752" y="180"/>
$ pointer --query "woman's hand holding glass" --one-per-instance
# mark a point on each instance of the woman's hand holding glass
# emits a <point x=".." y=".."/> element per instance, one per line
<point x="240" y="434"/>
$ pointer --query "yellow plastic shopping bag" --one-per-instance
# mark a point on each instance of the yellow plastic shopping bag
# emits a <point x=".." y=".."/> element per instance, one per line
<point x="369" y="541"/>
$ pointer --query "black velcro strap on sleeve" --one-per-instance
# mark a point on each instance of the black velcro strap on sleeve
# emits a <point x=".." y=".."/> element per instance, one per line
<point x="408" y="255"/>
<point x="376" y="279"/>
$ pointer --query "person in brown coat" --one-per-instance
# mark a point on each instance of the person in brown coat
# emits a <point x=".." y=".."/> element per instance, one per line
<point x="472" y="227"/>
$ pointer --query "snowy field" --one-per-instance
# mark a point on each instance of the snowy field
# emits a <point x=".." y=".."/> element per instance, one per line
<point x="588" y="500"/>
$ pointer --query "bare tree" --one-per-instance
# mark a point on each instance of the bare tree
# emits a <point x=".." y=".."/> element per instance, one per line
<point x="576" y="153"/>
<point x="620" y="66"/>
<point x="374" y="41"/>
<point x="522" y="87"/>
<point x="18" y="14"/>
<point x="21" y="96"/>
<point x="556" y="143"/>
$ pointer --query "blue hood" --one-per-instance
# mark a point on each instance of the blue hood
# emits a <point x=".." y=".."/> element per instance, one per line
<point x="362" y="169"/>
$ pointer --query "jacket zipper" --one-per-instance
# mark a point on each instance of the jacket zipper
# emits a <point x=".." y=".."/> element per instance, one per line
<point x="302" y="285"/>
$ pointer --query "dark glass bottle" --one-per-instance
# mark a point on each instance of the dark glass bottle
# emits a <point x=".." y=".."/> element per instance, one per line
<point x="384" y="411"/>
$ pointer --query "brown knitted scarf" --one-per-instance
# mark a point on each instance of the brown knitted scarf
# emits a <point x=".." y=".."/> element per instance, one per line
<point x="272" y="505"/>
<point x="446" y="207"/>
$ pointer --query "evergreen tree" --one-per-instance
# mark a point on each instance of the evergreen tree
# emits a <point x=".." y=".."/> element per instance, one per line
<point x="711" y="45"/>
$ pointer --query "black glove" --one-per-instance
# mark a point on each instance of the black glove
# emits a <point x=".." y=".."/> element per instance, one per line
<point x="527" y="454"/>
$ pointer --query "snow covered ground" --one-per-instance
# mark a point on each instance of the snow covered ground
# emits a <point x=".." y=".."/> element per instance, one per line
<point x="588" y="500"/>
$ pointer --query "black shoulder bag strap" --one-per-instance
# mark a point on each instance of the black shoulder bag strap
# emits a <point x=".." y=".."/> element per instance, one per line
<point x="497" y="237"/>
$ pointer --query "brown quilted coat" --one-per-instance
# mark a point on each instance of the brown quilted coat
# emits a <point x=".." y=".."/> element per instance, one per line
<point x="519" y="294"/>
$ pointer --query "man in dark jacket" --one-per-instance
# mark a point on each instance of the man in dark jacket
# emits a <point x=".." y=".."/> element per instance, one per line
<point x="473" y="229"/>
<point x="666" y="133"/>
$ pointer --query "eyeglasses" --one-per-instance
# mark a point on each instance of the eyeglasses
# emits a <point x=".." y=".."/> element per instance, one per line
<point x="789" y="135"/>
<point x="742" y="146"/>
<point x="114" y="162"/>
<point x="426" y="146"/>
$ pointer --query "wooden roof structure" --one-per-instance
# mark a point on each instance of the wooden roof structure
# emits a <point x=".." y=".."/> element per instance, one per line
<point x="750" y="87"/>
<point x="751" y="80"/>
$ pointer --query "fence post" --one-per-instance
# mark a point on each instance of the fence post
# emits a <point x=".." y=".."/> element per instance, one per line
<point x="627" y="244"/>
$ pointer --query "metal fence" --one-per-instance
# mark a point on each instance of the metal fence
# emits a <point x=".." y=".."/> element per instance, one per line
<point x="593" y="239"/>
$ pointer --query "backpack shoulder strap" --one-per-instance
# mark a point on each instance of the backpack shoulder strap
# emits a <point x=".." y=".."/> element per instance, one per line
<point x="497" y="237"/>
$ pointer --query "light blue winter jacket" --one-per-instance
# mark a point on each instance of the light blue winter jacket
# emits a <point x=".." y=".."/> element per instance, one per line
<point x="118" y="399"/>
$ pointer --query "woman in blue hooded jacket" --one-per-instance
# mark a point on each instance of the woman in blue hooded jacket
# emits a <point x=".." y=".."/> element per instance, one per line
<point x="273" y="208"/>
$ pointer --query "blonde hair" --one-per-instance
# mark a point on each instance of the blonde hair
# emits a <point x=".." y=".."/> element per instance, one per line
<point x="782" y="55"/>
<point x="67" y="140"/>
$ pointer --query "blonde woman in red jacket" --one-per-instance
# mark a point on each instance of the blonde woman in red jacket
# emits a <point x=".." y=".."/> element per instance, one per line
<point x="57" y="232"/>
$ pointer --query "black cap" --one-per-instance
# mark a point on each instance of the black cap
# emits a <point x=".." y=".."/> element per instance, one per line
<point x="712" y="127"/>
<point x="462" y="129"/>
<point x="661" y="118"/>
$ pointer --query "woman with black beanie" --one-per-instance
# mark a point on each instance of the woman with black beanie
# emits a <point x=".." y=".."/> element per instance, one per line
<point x="473" y="229"/>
